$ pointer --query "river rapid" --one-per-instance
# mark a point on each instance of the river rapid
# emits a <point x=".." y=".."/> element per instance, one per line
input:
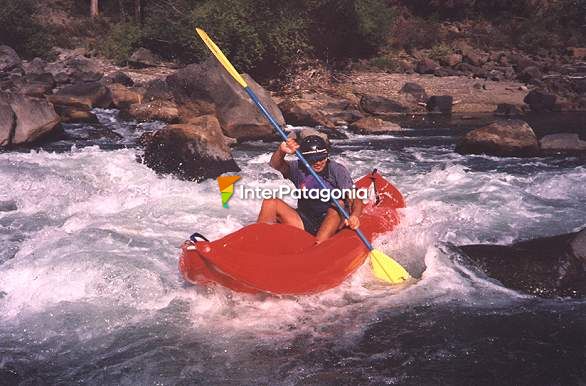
<point x="90" y="291"/>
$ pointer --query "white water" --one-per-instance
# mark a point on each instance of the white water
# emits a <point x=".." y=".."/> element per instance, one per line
<point x="91" y="252"/>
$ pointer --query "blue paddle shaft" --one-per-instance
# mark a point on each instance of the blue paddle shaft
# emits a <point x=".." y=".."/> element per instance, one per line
<point x="307" y="165"/>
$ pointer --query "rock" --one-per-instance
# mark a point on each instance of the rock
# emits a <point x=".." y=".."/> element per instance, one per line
<point x="451" y="60"/>
<point x="577" y="52"/>
<point x="35" y="118"/>
<point x="9" y="59"/>
<point x="546" y="267"/>
<point x="507" y="138"/>
<point x="75" y="69"/>
<point x="520" y="62"/>
<point x="35" y="66"/>
<point x="426" y="66"/>
<point x="300" y="113"/>
<point x="578" y="246"/>
<point x="86" y="76"/>
<point x="344" y="117"/>
<point x="123" y="97"/>
<point x="119" y="77"/>
<point x="84" y="95"/>
<point x="565" y="143"/>
<point x="158" y="89"/>
<point x="507" y="109"/>
<point x="440" y="104"/>
<point x="414" y="92"/>
<point x="475" y="58"/>
<point x="529" y="74"/>
<point x="8" y="206"/>
<point x="372" y="125"/>
<point x="476" y="71"/>
<point x="143" y="57"/>
<point x="446" y="71"/>
<point x="193" y="151"/>
<point x="379" y="105"/>
<point x="62" y="78"/>
<point x="207" y="88"/>
<point x="73" y="114"/>
<point x="540" y="101"/>
<point x="37" y="84"/>
<point x="7" y="123"/>
<point x="332" y="133"/>
<point x="158" y="110"/>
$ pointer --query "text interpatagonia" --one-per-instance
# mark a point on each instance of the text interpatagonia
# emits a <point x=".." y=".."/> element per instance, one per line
<point x="324" y="195"/>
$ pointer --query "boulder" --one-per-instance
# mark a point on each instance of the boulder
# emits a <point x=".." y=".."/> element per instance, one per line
<point x="530" y="74"/>
<point x="123" y="97"/>
<point x="158" y="110"/>
<point x="35" y="66"/>
<point x="144" y="57"/>
<point x="476" y="71"/>
<point x="300" y="113"/>
<point x="564" y="143"/>
<point x="447" y="71"/>
<point x="373" y="125"/>
<point x="413" y="92"/>
<point x="194" y="151"/>
<point x="440" y="104"/>
<point x="35" y="118"/>
<point x="379" y="105"/>
<point x="540" y="101"/>
<point x="37" y="84"/>
<point x="546" y="267"/>
<point x="476" y="58"/>
<point x="451" y="60"/>
<point x="83" y="95"/>
<point x="344" y="117"/>
<point x="9" y="59"/>
<point x="76" y="66"/>
<point x="207" y="88"/>
<point x="507" y="138"/>
<point x="73" y="114"/>
<point x="507" y="109"/>
<point x="119" y="77"/>
<point x="426" y="66"/>
<point x="7" y="123"/>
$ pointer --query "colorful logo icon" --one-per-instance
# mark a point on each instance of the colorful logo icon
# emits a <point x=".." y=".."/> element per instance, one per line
<point x="226" y="184"/>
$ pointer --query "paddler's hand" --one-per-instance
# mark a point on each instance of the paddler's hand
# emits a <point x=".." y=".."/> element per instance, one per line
<point x="289" y="147"/>
<point x="353" y="222"/>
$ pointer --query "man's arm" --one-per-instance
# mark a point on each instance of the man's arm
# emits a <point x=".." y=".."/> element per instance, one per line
<point x="278" y="162"/>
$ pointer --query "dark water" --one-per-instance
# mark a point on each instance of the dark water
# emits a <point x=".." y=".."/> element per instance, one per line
<point x="90" y="292"/>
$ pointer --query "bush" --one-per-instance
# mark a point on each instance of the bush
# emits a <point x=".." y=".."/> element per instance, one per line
<point x="121" y="42"/>
<point x="440" y="51"/>
<point x="415" y="32"/>
<point x="19" y="30"/>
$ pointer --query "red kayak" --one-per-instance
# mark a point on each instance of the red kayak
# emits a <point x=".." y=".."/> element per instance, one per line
<point x="282" y="259"/>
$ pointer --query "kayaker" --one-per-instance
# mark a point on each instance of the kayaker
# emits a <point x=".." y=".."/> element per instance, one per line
<point x="313" y="215"/>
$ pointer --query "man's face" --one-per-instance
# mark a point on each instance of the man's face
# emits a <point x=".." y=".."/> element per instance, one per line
<point x="319" y="166"/>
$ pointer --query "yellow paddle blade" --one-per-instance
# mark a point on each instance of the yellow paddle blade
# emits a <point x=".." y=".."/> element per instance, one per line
<point x="221" y="57"/>
<point x="387" y="269"/>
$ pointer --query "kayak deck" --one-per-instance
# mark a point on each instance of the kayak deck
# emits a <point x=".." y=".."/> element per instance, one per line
<point x="282" y="259"/>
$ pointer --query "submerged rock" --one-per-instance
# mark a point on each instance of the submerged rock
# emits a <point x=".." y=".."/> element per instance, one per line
<point x="564" y="143"/>
<point x="193" y="151"/>
<point x="508" y="138"/>
<point x="546" y="267"/>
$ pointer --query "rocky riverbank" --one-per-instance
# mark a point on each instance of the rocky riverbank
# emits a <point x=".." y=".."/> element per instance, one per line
<point x="36" y="96"/>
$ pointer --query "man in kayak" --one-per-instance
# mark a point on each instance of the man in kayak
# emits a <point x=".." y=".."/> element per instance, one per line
<point x="313" y="215"/>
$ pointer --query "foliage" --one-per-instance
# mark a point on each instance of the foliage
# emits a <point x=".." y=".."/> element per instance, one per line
<point x="415" y="32"/>
<point x="19" y="30"/>
<point x="121" y="42"/>
<point x="440" y="51"/>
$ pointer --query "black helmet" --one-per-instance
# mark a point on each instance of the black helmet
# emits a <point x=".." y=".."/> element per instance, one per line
<point x="314" y="148"/>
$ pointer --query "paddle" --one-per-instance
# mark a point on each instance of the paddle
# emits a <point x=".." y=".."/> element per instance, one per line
<point x="384" y="267"/>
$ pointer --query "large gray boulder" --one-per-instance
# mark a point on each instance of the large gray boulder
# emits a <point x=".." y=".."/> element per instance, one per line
<point x="207" y="88"/>
<point x="547" y="267"/>
<point x="193" y="151"/>
<point x="35" y="118"/>
<point x="507" y="138"/>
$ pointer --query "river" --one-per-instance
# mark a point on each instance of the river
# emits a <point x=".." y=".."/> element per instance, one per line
<point x="90" y="291"/>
